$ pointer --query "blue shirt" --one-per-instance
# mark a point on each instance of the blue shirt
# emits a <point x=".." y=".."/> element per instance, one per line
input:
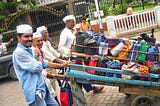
<point x="28" y="71"/>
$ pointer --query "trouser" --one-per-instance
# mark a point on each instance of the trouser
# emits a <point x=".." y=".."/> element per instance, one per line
<point x="47" y="101"/>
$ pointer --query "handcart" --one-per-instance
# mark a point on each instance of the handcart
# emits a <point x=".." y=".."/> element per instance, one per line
<point x="144" y="90"/>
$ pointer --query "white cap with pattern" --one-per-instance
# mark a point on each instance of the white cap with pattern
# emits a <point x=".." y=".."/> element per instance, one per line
<point x="37" y="35"/>
<point x="68" y="17"/>
<point x="24" y="28"/>
<point x="40" y="29"/>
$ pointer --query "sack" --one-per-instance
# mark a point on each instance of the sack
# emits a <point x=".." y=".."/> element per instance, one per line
<point x="80" y="37"/>
<point x="92" y="46"/>
<point x="143" y="69"/>
<point x="101" y="63"/>
<point x="114" y="64"/>
<point x="117" y="49"/>
<point x="100" y="38"/>
<point x="66" y="98"/>
<point x="93" y="62"/>
<point x="155" y="69"/>
<point x="78" y="95"/>
<point x="124" y="52"/>
<point x="152" y="53"/>
<point x="143" y="48"/>
<point x="133" y="52"/>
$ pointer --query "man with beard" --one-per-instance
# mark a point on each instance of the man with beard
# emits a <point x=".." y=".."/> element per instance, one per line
<point x="29" y="69"/>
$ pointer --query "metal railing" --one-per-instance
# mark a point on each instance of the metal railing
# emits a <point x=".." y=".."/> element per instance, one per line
<point x="128" y="23"/>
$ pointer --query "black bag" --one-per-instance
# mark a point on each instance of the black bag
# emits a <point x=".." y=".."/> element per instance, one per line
<point x="101" y="63"/>
<point x="92" y="46"/>
<point x="80" y="37"/>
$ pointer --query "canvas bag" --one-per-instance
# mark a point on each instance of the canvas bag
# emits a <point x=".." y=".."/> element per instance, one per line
<point x="93" y="62"/>
<point x="124" y="52"/>
<point x="152" y="53"/>
<point x="91" y="45"/>
<point x="78" y="95"/>
<point x="66" y="98"/>
<point x="80" y="37"/>
<point x="143" y="48"/>
<point x="134" y="51"/>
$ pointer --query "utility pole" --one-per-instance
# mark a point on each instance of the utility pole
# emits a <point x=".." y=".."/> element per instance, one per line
<point x="99" y="17"/>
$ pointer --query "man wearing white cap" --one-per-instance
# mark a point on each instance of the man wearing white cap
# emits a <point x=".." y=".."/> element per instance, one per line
<point x="29" y="70"/>
<point x="67" y="36"/>
<point x="37" y="43"/>
<point x="49" y="52"/>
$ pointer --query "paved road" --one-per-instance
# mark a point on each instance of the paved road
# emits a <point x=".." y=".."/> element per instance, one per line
<point x="11" y="95"/>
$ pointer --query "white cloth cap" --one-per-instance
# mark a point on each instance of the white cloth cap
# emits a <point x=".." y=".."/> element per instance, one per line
<point x="37" y="35"/>
<point x="68" y="17"/>
<point x="24" y="28"/>
<point x="40" y="29"/>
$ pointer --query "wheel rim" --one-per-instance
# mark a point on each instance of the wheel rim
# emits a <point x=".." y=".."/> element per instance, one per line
<point x="144" y="102"/>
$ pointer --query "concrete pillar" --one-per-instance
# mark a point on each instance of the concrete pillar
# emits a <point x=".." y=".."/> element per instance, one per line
<point x="70" y="7"/>
<point x="157" y="8"/>
<point x="110" y="26"/>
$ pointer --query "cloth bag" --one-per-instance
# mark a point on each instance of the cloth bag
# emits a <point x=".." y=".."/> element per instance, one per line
<point x="66" y="97"/>
<point x="80" y="37"/>
<point x="92" y="45"/>
<point x="143" y="48"/>
<point x="93" y="62"/>
<point x="78" y="95"/>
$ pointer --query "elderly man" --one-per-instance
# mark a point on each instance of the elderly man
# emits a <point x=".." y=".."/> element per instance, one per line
<point x="49" y="52"/>
<point x="28" y="68"/>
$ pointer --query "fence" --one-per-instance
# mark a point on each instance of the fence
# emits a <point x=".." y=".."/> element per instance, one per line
<point x="122" y="24"/>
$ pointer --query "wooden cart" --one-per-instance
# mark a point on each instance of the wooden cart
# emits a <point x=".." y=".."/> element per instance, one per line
<point x="144" y="90"/>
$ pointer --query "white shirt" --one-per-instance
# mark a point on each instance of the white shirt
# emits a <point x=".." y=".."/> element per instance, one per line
<point x="67" y="38"/>
<point x="49" y="52"/>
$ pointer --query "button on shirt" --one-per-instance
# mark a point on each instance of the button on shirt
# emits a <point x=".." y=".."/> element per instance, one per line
<point x="66" y="40"/>
<point x="28" y="71"/>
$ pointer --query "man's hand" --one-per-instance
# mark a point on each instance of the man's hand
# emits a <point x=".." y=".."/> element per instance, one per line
<point x="65" y="64"/>
<point x="49" y="75"/>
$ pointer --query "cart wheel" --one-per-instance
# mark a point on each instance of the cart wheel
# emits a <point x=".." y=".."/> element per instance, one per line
<point x="142" y="100"/>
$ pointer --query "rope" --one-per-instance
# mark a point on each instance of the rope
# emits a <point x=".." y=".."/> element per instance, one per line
<point x="97" y="47"/>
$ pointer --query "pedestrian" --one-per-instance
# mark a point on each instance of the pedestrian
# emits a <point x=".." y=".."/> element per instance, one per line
<point x="67" y="37"/>
<point x="51" y="55"/>
<point x="38" y="42"/>
<point x="84" y="26"/>
<point x="49" y="52"/>
<point x="28" y="68"/>
<point x="129" y="12"/>
<point x="3" y="45"/>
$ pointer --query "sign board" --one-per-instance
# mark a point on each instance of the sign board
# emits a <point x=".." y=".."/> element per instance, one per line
<point x="100" y="13"/>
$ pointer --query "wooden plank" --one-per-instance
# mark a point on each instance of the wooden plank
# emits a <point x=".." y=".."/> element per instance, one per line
<point x="140" y="91"/>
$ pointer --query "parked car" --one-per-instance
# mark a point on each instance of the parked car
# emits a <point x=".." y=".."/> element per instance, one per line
<point x="6" y="64"/>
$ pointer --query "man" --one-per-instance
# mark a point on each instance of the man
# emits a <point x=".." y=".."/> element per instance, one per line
<point x="3" y="45"/>
<point x="67" y="38"/>
<point x="28" y="69"/>
<point x="38" y="42"/>
<point x="84" y="26"/>
<point x="49" y="52"/>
